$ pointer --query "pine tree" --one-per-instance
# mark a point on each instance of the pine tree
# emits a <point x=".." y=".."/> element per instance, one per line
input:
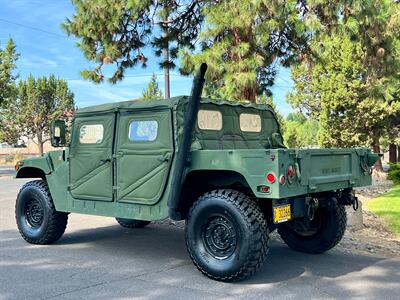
<point x="8" y="57"/>
<point x="118" y="31"/>
<point x="349" y="79"/>
<point x="152" y="91"/>
<point x="242" y="43"/>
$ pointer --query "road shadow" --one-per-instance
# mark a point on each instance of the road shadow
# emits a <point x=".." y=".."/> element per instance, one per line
<point x="166" y="242"/>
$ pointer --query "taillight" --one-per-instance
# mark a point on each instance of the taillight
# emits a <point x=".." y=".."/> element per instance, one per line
<point x="271" y="177"/>
<point x="282" y="180"/>
<point x="291" y="172"/>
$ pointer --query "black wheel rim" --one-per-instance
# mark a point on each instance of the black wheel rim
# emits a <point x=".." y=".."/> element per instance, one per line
<point x="220" y="237"/>
<point x="34" y="213"/>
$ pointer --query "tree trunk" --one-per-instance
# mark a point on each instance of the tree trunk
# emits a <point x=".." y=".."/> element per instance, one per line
<point x="392" y="153"/>
<point x="377" y="149"/>
<point x="398" y="153"/>
<point x="40" y="143"/>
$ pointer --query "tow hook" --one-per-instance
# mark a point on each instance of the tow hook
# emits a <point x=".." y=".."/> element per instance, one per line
<point x="311" y="208"/>
<point x="355" y="203"/>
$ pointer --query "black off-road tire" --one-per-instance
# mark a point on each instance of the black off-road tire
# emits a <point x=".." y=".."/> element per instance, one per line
<point x="226" y="235"/>
<point x="37" y="220"/>
<point x="131" y="223"/>
<point x="333" y="222"/>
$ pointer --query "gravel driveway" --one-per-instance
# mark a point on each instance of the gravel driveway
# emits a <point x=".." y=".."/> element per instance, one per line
<point x="98" y="259"/>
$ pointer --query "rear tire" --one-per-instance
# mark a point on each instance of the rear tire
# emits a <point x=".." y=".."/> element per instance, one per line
<point x="226" y="235"/>
<point x="319" y="235"/>
<point x="131" y="223"/>
<point x="37" y="220"/>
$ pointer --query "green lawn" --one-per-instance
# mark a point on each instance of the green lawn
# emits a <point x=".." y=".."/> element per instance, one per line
<point x="388" y="206"/>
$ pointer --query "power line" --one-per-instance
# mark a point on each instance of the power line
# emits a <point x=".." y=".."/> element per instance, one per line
<point x="32" y="28"/>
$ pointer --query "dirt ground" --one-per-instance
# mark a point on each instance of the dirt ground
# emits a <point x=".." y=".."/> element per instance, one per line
<point x="375" y="237"/>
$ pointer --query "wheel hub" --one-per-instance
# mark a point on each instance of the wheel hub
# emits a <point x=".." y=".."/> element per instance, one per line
<point x="220" y="237"/>
<point x="34" y="213"/>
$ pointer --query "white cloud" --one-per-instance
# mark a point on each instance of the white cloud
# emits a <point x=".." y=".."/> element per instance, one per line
<point x="34" y="61"/>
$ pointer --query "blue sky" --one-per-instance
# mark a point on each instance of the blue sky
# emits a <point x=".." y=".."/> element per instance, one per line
<point x="45" y="49"/>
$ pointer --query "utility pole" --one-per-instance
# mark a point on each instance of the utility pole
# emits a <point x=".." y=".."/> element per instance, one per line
<point x="166" y="74"/>
<point x="167" y="94"/>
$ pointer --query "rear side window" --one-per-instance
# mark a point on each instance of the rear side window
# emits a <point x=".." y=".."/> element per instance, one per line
<point x="209" y="120"/>
<point x="250" y="122"/>
<point x="91" y="134"/>
<point x="143" y="131"/>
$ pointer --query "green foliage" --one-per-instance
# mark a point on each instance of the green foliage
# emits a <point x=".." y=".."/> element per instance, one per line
<point x="388" y="207"/>
<point x="242" y="41"/>
<point x="349" y="78"/>
<point x="8" y="57"/>
<point x="117" y="31"/>
<point x="152" y="91"/>
<point x="394" y="172"/>
<point x="37" y="103"/>
<point x="263" y="99"/>
<point x="300" y="132"/>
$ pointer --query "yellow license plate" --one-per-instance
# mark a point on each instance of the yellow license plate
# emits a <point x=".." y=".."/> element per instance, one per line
<point x="282" y="213"/>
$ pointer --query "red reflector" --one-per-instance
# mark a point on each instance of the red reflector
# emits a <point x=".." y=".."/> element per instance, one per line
<point x="271" y="178"/>
<point x="282" y="180"/>
<point x="291" y="171"/>
<point x="264" y="189"/>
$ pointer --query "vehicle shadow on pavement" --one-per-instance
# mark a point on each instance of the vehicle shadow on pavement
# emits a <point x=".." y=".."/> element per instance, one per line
<point x="167" y="242"/>
<point x="156" y="254"/>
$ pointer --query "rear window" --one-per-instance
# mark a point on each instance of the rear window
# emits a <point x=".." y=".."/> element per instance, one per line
<point x="209" y="119"/>
<point x="250" y="122"/>
<point x="91" y="134"/>
<point x="143" y="131"/>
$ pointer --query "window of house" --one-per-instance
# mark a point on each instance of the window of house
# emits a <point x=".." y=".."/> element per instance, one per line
<point x="209" y="120"/>
<point x="250" y="122"/>
<point x="91" y="134"/>
<point x="143" y="131"/>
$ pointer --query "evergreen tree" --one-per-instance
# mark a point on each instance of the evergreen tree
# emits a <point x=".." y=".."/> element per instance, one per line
<point x="117" y="31"/>
<point x="300" y="132"/>
<point x="8" y="57"/>
<point x="350" y="77"/>
<point x="38" y="103"/>
<point x="242" y="43"/>
<point x="152" y="91"/>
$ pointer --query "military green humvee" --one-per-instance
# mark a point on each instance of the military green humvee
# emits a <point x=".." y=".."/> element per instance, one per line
<point x="220" y="166"/>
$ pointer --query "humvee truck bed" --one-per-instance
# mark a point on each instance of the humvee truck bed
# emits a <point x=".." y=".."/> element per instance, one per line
<point x="222" y="166"/>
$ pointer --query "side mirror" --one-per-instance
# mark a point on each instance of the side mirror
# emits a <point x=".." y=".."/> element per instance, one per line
<point x="58" y="133"/>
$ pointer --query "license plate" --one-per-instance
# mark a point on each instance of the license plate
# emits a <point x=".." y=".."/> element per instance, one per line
<point x="282" y="213"/>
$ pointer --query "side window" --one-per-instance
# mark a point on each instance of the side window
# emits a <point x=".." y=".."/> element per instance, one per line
<point x="91" y="134"/>
<point x="250" y="122"/>
<point x="209" y="119"/>
<point x="143" y="131"/>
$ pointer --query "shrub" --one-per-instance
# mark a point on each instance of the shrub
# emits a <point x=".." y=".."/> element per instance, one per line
<point x="394" y="172"/>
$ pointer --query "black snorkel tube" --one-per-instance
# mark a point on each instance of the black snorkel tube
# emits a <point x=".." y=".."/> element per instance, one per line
<point x="182" y="155"/>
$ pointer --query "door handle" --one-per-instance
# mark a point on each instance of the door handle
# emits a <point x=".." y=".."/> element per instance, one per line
<point x="164" y="158"/>
<point x="105" y="160"/>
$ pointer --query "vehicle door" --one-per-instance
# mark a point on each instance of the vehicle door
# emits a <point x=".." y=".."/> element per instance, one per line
<point x="90" y="158"/>
<point x="143" y="155"/>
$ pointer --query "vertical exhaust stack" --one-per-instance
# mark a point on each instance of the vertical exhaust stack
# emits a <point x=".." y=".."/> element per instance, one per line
<point x="181" y="158"/>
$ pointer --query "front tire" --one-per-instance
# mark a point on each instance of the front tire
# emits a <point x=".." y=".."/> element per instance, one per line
<point x="226" y="235"/>
<point x="319" y="235"/>
<point x="131" y="223"/>
<point x="37" y="220"/>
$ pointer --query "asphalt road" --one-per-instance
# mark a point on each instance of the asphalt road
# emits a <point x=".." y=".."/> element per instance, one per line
<point x="98" y="259"/>
<point x="6" y="170"/>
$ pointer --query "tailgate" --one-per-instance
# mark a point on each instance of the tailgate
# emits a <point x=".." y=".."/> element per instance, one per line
<point x="329" y="169"/>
